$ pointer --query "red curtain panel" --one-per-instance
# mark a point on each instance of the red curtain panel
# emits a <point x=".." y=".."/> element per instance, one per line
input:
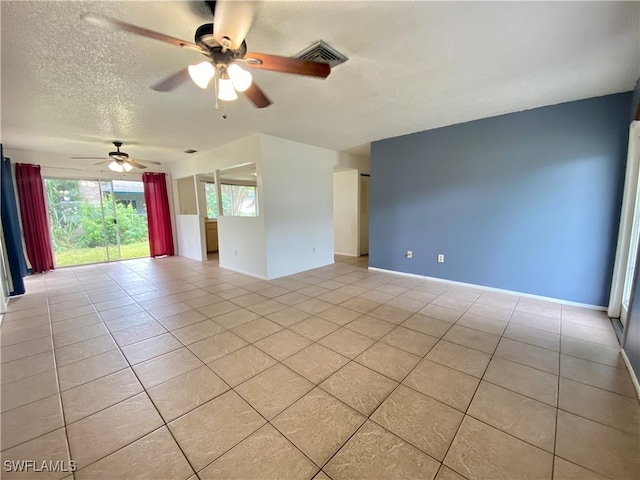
<point x="158" y="215"/>
<point x="33" y="212"/>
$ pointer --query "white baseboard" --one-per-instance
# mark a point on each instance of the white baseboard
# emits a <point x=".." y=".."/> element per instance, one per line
<point x="492" y="289"/>
<point x="237" y="270"/>
<point x="632" y="373"/>
<point x="346" y="254"/>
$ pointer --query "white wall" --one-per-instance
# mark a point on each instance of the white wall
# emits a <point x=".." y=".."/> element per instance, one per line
<point x="201" y="195"/>
<point x="243" y="151"/>
<point x="172" y="212"/>
<point x="187" y="202"/>
<point x="346" y="218"/>
<point x="241" y="243"/>
<point x="348" y="160"/>
<point x="191" y="237"/>
<point x="297" y="205"/>
<point x="364" y="215"/>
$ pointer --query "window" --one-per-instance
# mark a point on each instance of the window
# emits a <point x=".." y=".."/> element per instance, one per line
<point x="212" y="199"/>
<point x="237" y="200"/>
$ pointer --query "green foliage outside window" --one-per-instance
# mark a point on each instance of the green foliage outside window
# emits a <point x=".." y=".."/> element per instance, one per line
<point x="63" y="199"/>
<point x="212" y="200"/>
<point x="76" y="223"/>
<point x="237" y="200"/>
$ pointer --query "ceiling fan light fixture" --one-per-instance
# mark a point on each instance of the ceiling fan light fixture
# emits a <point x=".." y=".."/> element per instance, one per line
<point x="241" y="78"/>
<point x="226" y="92"/>
<point x="127" y="167"/>
<point x="116" y="167"/>
<point x="202" y="73"/>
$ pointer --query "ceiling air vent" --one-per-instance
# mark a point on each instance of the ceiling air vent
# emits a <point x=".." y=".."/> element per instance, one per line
<point x="322" y="52"/>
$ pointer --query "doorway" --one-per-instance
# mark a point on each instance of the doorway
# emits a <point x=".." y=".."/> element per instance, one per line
<point x="350" y="212"/>
<point x="629" y="233"/>
<point x="95" y="221"/>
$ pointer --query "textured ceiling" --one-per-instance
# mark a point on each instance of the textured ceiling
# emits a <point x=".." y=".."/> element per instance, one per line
<point x="71" y="87"/>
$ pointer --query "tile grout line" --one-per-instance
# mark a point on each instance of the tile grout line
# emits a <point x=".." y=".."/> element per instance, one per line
<point x="144" y="390"/>
<point x="162" y="417"/>
<point x="55" y="364"/>
<point x="555" y="436"/>
<point x="119" y="349"/>
<point x="315" y="386"/>
<point x="396" y="388"/>
<point x="368" y="418"/>
<point x="465" y="414"/>
<point x="165" y="423"/>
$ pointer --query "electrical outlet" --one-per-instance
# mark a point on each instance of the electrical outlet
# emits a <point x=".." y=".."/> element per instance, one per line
<point x="236" y="253"/>
<point x="409" y="254"/>
<point x="441" y="258"/>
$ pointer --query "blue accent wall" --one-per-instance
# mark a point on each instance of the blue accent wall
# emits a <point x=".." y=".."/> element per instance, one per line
<point x="528" y="201"/>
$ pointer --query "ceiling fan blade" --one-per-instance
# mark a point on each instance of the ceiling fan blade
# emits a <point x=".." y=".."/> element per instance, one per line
<point x="257" y="96"/>
<point x="88" y="158"/>
<point x="287" y="65"/>
<point x="133" y="163"/>
<point x="145" y="161"/>
<point x="232" y="20"/>
<point x="172" y="81"/>
<point x="114" y="24"/>
<point x="106" y="161"/>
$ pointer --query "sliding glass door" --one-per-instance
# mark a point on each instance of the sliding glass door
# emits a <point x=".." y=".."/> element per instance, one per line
<point x="96" y="221"/>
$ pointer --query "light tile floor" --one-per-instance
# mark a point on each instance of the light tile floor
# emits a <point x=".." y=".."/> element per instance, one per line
<point x="171" y="368"/>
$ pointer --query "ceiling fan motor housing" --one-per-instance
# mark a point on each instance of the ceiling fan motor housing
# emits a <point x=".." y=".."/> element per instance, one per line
<point x="118" y="155"/>
<point x="204" y="36"/>
<point x="204" y="39"/>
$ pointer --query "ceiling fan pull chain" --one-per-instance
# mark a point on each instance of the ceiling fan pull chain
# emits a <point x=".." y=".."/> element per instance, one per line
<point x="215" y="90"/>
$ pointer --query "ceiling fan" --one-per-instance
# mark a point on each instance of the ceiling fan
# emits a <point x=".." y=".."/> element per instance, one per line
<point x="222" y="42"/>
<point x="119" y="161"/>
